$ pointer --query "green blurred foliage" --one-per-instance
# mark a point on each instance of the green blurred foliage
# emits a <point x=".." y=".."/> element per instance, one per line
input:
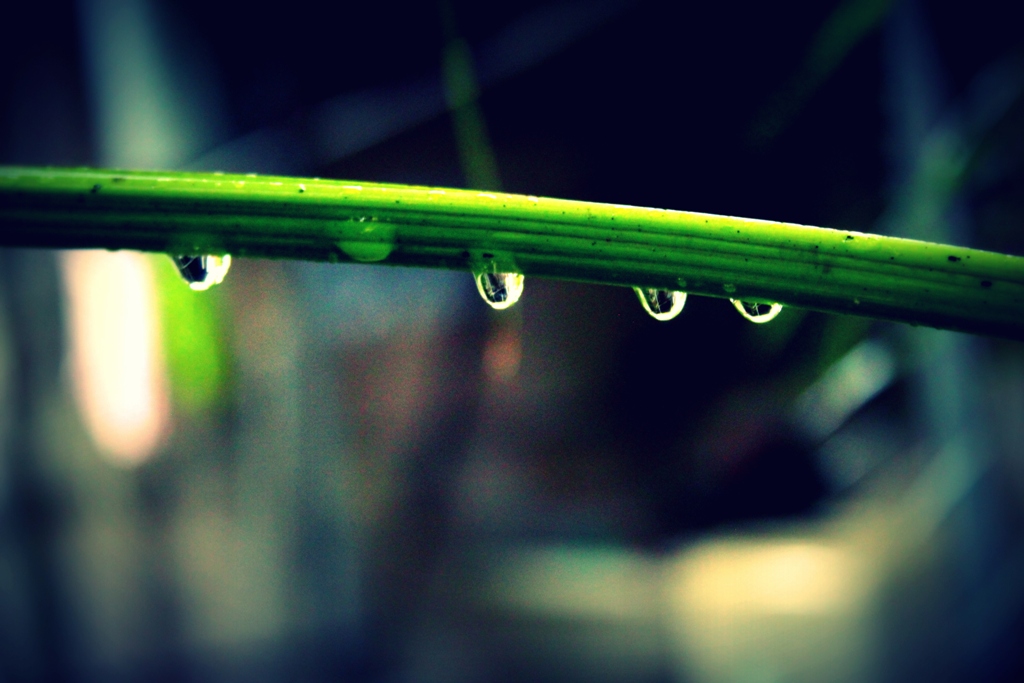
<point x="194" y="340"/>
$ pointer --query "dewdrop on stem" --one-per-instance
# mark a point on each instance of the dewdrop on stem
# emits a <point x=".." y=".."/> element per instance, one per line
<point x="661" y="304"/>
<point x="203" y="272"/>
<point x="499" y="290"/>
<point x="757" y="312"/>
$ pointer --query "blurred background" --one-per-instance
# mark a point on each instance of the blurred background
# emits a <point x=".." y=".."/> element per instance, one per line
<point x="348" y="472"/>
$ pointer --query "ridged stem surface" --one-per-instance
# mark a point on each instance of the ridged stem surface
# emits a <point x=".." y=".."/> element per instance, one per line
<point x="331" y="220"/>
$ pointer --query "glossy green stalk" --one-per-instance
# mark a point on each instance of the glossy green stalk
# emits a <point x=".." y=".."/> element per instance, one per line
<point x="329" y="220"/>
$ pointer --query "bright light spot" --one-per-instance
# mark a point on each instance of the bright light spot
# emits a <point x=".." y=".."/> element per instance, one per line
<point x="216" y="268"/>
<point x="783" y="578"/>
<point x="770" y="608"/>
<point x="115" y="357"/>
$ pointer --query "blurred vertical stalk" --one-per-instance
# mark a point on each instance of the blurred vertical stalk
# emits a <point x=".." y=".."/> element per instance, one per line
<point x="503" y="347"/>
<point x="462" y="93"/>
<point x="848" y="24"/>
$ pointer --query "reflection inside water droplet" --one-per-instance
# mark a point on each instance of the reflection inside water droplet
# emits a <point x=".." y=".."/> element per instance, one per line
<point x="757" y="312"/>
<point x="500" y="290"/>
<point x="203" y="272"/>
<point x="662" y="304"/>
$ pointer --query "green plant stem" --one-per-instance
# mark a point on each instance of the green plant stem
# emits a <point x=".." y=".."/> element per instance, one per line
<point x="328" y="220"/>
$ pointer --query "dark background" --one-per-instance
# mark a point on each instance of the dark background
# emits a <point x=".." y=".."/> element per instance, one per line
<point x="368" y="468"/>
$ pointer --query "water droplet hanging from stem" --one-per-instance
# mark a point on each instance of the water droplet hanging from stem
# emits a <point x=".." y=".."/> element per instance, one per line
<point x="661" y="304"/>
<point x="203" y="272"/>
<point x="757" y="312"/>
<point x="499" y="290"/>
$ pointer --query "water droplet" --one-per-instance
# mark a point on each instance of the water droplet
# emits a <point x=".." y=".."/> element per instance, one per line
<point x="756" y="312"/>
<point x="375" y="242"/>
<point x="500" y="290"/>
<point x="203" y="272"/>
<point x="662" y="304"/>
